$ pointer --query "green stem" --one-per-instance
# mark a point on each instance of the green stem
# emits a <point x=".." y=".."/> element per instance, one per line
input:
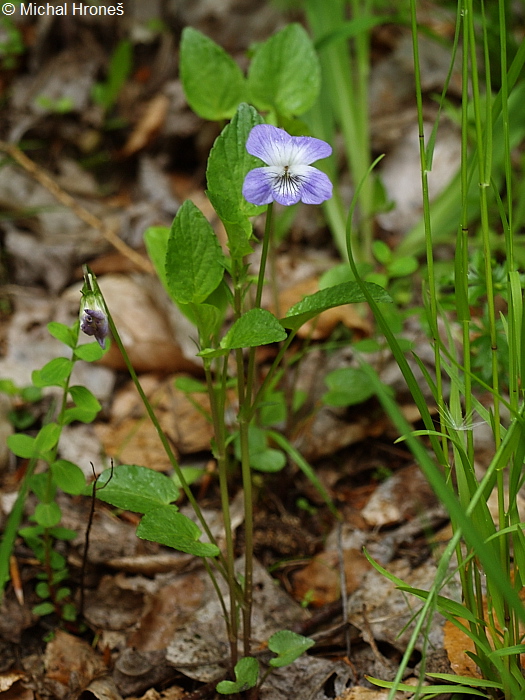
<point x="217" y="413"/>
<point x="248" y="533"/>
<point x="245" y="399"/>
<point x="264" y="255"/>
<point x="432" y="287"/>
<point x="164" y="440"/>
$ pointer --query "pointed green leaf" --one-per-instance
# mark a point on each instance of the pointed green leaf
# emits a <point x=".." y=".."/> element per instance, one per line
<point x="255" y="327"/>
<point x="83" y="415"/>
<point x="269" y="460"/>
<point x="68" y="477"/>
<point x="44" y="489"/>
<point x="84" y="397"/>
<point x="43" y="609"/>
<point x="289" y="646"/>
<point x="348" y="386"/>
<point x="382" y="252"/>
<point x="167" y="526"/>
<point x="47" y="438"/>
<point x="228" y="164"/>
<point x="47" y="514"/>
<point x="7" y="386"/>
<point x="314" y="304"/>
<point x="86" y="408"/>
<point x="63" y="333"/>
<point x="213" y="83"/>
<point x="402" y="267"/>
<point x="246" y="675"/>
<point x="262" y="457"/>
<point x="284" y="74"/>
<point x="156" y="241"/>
<point x="90" y="352"/>
<point x="237" y="224"/>
<point x="42" y="589"/>
<point x="54" y="373"/>
<point x="207" y="318"/>
<point x="21" y="445"/>
<point x="135" y="488"/>
<point x="194" y="259"/>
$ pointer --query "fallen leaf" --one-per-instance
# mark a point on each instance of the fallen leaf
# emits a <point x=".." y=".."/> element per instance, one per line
<point x="456" y="644"/>
<point x="368" y="694"/>
<point x="148" y="125"/>
<point x="325" y="433"/>
<point x="112" y="606"/>
<point x="402" y="496"/>
<point x="131" y="436"/>
<point x="8" y="679"/>
<point x="72" y="662"/>
<point x="166" y="611"/>
<point x="319" y="581"/>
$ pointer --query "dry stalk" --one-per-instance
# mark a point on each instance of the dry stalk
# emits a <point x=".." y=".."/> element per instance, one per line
<point x="71" y="203"/>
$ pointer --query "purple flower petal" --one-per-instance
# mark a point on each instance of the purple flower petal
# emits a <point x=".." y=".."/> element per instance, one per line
<point x="267" y="142"/>
<point x="257" y="188"/>
<point x="317" y="188"/>
<point x="307" y="150"/>
<point x="95" y="323"/>
<point x="288" y="177"/>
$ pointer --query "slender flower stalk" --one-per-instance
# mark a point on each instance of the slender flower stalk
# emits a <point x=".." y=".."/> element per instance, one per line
<point x="287" y="178"/>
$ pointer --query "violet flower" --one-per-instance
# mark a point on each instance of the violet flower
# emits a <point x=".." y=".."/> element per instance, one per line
<point x="93" y="319"/>
<point x="288" y="176"/>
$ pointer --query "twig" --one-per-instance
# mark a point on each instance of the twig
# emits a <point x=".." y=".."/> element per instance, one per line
<point x="71" y="203"/>
<point x="86" y="537"/>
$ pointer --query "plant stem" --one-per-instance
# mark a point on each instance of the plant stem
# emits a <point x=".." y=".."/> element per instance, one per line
<point x="248" y="533"/>
<point x="432" y="288"/>
<point x="164" y="440"/>
<point x="217" y="412"/>
<point x="245" y="414"/>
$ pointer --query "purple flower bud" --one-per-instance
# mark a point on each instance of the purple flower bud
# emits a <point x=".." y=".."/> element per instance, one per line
<point x="94" y="322"/>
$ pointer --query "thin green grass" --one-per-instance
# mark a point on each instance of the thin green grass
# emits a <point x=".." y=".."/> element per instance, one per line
<point x="486" y="551"/>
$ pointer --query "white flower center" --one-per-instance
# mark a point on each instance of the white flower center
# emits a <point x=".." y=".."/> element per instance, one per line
<point x="287" y="179"/>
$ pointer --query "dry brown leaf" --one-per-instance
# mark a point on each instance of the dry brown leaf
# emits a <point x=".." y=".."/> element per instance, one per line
<point x="201" y="641"/>
<point x="320" y="579"/>
<point x="131" y="436"/>
<point x="166" y="611"/>
<point x="72" y="662"/>
<point x="112" y="606"/>
<point x="143" y="329"/>
<point x="325" y="433"/>
<point x="104" y="689"/>
<point x="379" y="609"/>
<point x="149" y="124"/>
<point x="134" y="442"/>
<point x="402" y="496"/>
<point x="8" y="679"/>
<point x="456" y="643"/>
<point x="368" y="694"/>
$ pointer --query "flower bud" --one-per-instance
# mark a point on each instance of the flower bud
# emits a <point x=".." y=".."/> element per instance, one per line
<point x="93" y="318"/>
